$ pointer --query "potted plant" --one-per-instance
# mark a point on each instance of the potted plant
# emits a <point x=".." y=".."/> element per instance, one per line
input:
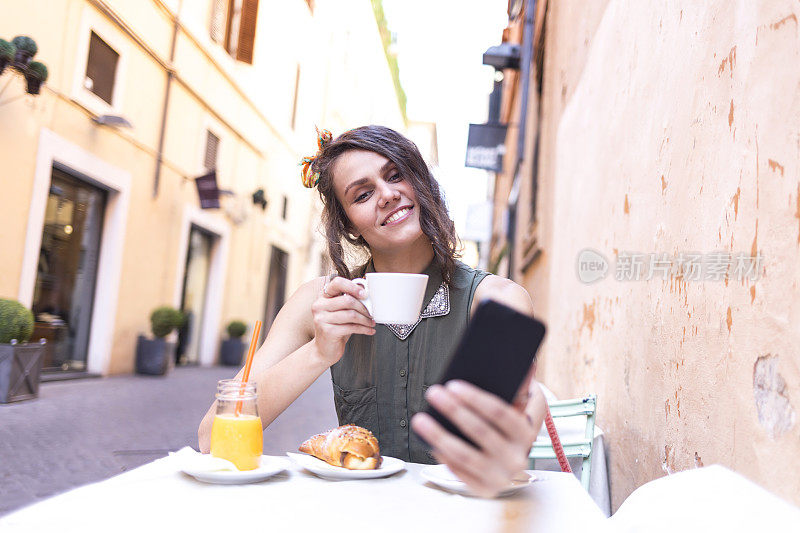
<point x="20" y="361"/>
<point x="35" y="75"/>
<point x="7" y="52"/>
<point x="25" y="49"/>
<point x="232" y="349"/>
<point x="153" y="355"/>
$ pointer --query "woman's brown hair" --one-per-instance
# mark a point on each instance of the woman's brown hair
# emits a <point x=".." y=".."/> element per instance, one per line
<point x="433" y="216"/>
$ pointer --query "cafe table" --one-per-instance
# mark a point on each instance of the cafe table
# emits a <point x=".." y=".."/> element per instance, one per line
<point x="159" y="497"/>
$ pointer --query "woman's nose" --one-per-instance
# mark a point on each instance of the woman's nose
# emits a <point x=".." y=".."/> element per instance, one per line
<point x="386" y="194"/>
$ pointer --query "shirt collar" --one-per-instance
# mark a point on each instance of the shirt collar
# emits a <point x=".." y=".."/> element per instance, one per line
<point x="437" y="299"/>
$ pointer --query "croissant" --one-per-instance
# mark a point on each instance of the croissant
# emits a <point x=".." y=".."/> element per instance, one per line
<point x="350" y="446"/>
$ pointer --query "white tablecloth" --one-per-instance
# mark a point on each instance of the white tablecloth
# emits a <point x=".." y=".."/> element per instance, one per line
<point x="158" y="497"/>
<point x="703" y="500"/>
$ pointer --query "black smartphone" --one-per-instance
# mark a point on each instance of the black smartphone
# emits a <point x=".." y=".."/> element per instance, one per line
<point x="495" y="354"/>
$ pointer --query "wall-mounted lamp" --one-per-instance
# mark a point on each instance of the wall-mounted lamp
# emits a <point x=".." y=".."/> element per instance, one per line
<point x="260" y="198"/>
<point x="113" y="120"/>
<point x="502" y="56"/>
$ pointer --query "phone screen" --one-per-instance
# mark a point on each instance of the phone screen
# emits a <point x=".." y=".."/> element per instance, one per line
<point x="495" y="354"/>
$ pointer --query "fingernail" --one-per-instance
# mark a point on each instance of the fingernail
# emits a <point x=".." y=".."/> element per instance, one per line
<point x="362" y="293"/>
<point x="457" y="385"/>
<point x="433" y="391"/>
<point x="420" y="421"/>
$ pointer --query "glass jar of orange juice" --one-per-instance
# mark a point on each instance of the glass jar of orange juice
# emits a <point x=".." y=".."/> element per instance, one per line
<point x="236" y="434"/>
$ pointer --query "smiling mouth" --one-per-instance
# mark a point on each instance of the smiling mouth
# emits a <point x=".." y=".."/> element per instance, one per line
<point x="397" y="215"/>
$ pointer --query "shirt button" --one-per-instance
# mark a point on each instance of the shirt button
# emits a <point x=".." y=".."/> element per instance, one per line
<point x="403" y="373"/>
<point x="402" y="422"/>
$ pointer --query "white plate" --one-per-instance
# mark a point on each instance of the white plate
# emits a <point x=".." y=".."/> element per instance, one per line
<point x="389" y="466"/>
<point x="269" y="467"/>
<point x="442" y="476"/>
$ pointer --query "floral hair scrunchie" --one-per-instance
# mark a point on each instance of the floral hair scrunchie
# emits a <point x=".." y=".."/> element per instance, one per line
<point x="310" y="179"/>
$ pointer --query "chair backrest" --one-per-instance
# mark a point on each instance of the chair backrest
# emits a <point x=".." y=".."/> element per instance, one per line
<point x="585" y="407"/>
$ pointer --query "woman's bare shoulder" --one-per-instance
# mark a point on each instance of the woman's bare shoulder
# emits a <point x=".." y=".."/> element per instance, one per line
<point x="310" y="289"/>
<point x="306" y="293"/>
<point x="504" y="291"/>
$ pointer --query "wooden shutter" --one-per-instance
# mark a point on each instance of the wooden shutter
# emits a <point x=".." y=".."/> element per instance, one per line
<point x="101" y="68"/>
<point x="212" y="147"/>
<point x="219" y="17"/>
<point x="247" y="31"/>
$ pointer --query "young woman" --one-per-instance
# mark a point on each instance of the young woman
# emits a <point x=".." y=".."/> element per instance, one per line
<point x="380" y="196"/>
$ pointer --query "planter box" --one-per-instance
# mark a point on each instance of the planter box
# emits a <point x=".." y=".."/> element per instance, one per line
<point x="153" y="356"/>
<point x="20" y="368"/>
<point x="231" y="352"/>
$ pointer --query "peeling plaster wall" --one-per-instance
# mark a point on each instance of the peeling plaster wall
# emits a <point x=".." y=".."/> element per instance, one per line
<point x="675" y="128"/>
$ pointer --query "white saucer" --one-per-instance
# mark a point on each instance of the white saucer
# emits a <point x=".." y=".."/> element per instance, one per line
<point x="441" y="476"/>
<point x="389" y="466"/>
<point x="269" y="467"/>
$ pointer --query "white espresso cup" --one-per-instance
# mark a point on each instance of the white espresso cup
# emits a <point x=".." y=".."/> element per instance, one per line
<point x="394" y="297"/>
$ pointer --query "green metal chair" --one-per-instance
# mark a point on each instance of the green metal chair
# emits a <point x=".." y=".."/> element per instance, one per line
<point x="586" y="407"/>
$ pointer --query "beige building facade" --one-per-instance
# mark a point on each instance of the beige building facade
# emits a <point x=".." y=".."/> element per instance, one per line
<point x="102" y="222"/>
<point x="664" y="131"/>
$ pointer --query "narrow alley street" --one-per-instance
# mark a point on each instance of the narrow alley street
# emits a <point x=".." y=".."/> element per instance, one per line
<point x="87" y="430"/>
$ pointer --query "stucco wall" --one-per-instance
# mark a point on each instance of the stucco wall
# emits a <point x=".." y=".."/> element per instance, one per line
<point x="675" y="127"/>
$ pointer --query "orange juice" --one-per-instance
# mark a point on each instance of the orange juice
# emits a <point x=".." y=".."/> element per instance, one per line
<point x="239" y="439"/>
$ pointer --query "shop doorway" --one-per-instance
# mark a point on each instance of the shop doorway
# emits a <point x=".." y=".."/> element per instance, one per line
<point x="276" y="288"/>
<point x="66" y="271"/>
<point x="194" y="295"/>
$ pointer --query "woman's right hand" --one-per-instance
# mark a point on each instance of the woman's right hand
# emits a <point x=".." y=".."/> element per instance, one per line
<point x="338" y="313"/>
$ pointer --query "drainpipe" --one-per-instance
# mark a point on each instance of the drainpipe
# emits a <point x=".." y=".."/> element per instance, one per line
<point x="170" y="76"/>
<point x="513" y="197"/>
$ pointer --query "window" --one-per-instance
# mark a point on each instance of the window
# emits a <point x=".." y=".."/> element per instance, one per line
<point x="284" y="208"/>
<point x="212" y="148"/>
<point x="101" y="68"/>
<point x="233" y="25"/>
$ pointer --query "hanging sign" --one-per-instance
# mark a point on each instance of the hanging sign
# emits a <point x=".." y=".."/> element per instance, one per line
<point x="207" y="190"/>
<point x="486" y="146"/>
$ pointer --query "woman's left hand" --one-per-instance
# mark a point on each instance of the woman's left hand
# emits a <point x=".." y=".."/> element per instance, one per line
<point x="502" y="433"/>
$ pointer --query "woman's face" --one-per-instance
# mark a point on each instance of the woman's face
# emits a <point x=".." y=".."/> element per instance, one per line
<point x="379" y="202"/>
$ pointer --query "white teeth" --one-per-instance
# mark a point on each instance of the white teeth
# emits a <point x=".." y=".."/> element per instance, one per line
<point x="397" y="216"/>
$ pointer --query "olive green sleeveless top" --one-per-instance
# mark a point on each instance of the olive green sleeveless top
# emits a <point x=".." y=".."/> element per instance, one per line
<point x="380" y="381"/>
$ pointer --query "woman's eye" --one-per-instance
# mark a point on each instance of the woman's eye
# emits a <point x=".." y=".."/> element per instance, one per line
<point x="361" y="197"/>
<point x="395" y="177"/>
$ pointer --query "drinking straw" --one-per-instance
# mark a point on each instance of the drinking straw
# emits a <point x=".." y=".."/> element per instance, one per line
<point x="248" y="363"/>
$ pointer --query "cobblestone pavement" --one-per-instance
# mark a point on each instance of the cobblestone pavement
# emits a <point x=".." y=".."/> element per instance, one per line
<point x="87" y="430"/>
